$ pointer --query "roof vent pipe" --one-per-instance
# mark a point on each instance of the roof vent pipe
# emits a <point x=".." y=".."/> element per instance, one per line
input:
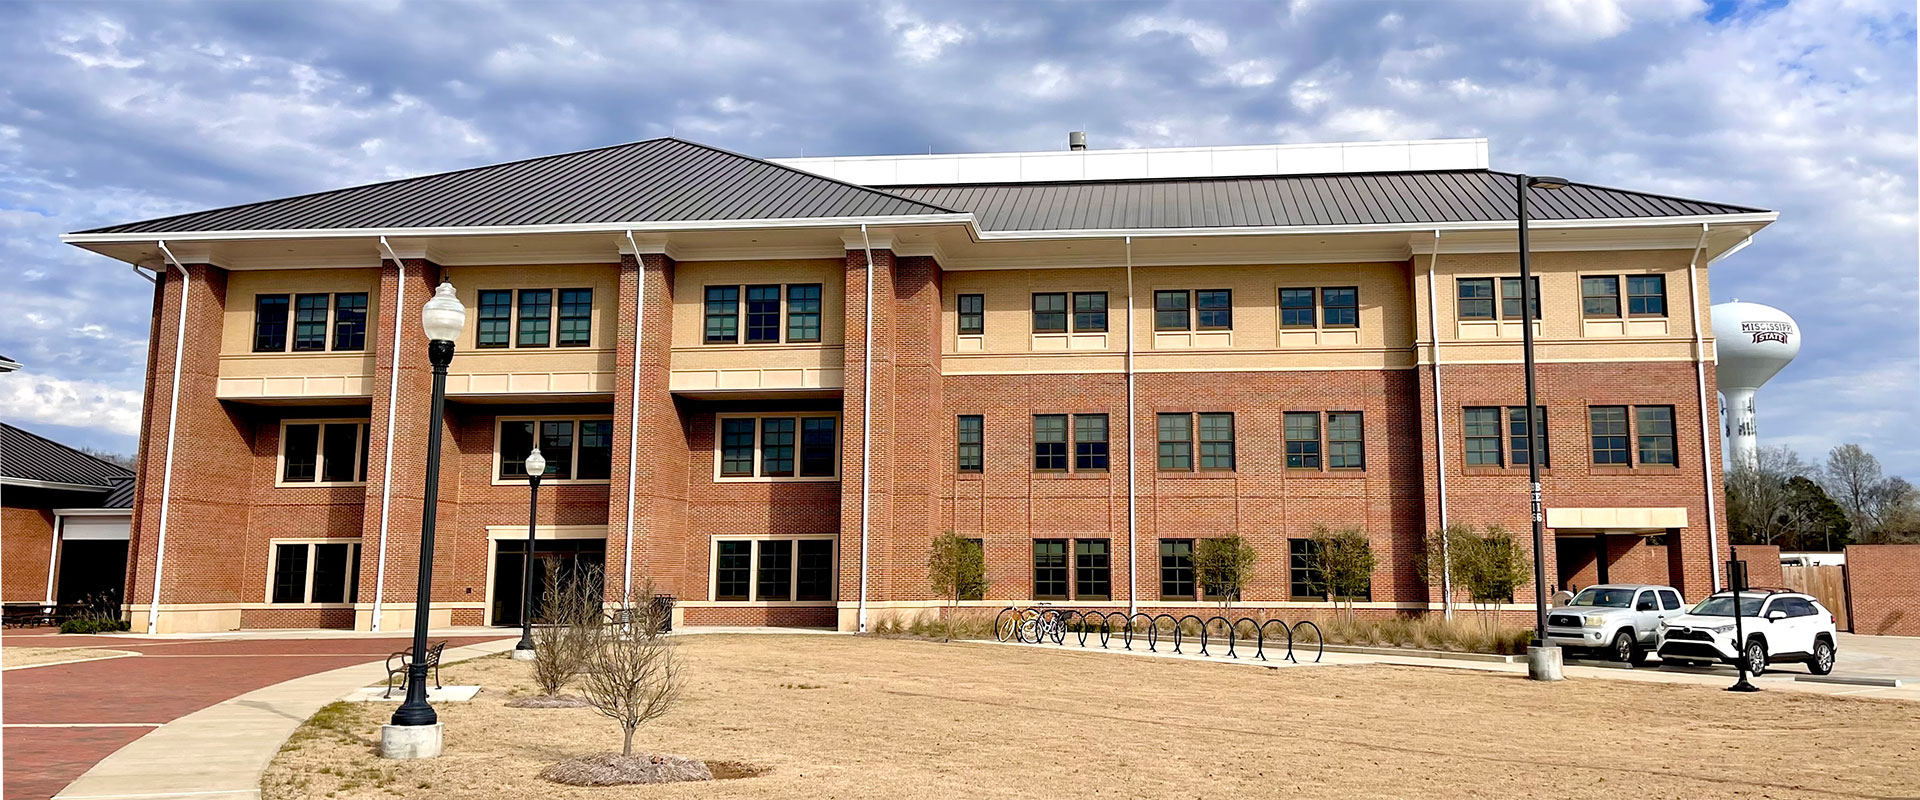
<point x="1076" y="140"/>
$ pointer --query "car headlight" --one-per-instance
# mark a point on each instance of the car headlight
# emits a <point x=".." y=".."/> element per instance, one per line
<point x="1594" y="621"/>
<point x="1722" y="629"/>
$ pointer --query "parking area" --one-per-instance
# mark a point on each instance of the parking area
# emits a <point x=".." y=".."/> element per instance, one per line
<point x="1856" y="656"/>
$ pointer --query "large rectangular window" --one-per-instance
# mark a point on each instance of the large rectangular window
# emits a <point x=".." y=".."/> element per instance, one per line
<point x="1050" y="569"/>
<point x="763" y="314"/>
<point x="1303" y="564"/>
<point x="1213" y="309"/>
<point x="1050" y="443"/>
<point x="595" y="460"/>
<point x="723" y="315"/>
<point x="775" y="571"/>
<point x="1089" y="312"/>
<point x="1481" y="427"/>
<point x="736" y="447"/>
<point x="556" y="437"/>
<point x="1303" y="439"/>
<point x="299" y="453"/>
<point x="1340" y="307"/>
<point x="1176" y="442"/>
<point x="733" y="570"/>
<point x="575" y="448"/>
<point x="1092" y="572"/>
<point x="1510" y="298"/>
<point x="536" y="317"/>
<point x="1176" y="569"/>
<point x="315" y="572"/>
<point x="350" y="321"/>
<point x="290" y="572"/>
<point x="1216" y="441"/>
<point x="1600" y="296"/>
<point x="340" y="452"/>
<point x="1050" y="312"/>
<point x="310" y="322"/>
<point x="1608" y="427"/>
<point x="1171" y="311"/>
<point x="269" y="323"/>
<point x="576" y="317"/>
<point x="1655" y="432"/>
<point x="1089" y="442"/>
<point x="1475" y="298"/>
<point x="813" y="571"/>
<point x="495" y="325"/>
<point x="1519" y="449"/>
<point x="1296" y="308"/>
<point x="803" y="312"/>
<point x="776" y="447"/>
<point x="782" y="446"/>
<point x="970" y="435"/>
<point x="973" y="314"/>
<point x="819" y="446"/>
<point x="323" y="452"/>
<point x="1346" y="440"/>
<point x="1647" y="295"/>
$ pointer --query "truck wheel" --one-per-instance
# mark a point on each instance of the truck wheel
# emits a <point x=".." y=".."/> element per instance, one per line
<point x="1756" y="655"/>
<point x="1624" y="648"/>
<point x="1822" y="662"/>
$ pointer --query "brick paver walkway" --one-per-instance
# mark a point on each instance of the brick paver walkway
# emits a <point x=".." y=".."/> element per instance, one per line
<point x="170" y="679"/>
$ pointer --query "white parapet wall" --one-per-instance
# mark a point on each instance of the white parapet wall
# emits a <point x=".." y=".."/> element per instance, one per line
<point x="1152" y="162"/>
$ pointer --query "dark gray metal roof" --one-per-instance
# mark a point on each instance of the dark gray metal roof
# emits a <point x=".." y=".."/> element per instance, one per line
<point x="29" y="456"/>
<point x="651" y="181"/>
<point x="119" y="494"/>
<point x="1286" y="200"/>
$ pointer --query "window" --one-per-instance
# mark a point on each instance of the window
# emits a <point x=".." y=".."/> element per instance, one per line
<point x="323" y="452"/>
<point x="1091" y="569"/>
<point x="1518" y="447"/>
<point x="1170" y="312"/>
<point x="350" y="321"/>
<point x="1214" y="309"/>
<point x="1608" y="426"/>
<point x="315" y="572"/>
<point x="733" y="570"/>
<point x="1050" y="312"/>
<point x="496" y="318"/>
<point x="575" y="449"/>
<point x="723" y="315"/>
<point x="1176" y="441"/>
<point x="803" y="312"/>
<point x="1481" y="427"/>
<point x="763" y="314"/>
<point x="1176" y="569"/>
<point x="1655" y="424"/>
<point x="1647" y="295"/>
<point x="777" y="446"/>
<point x="1050" y="443"/>
<point x="970" y="436"/>
<point x="536" y="317"/>
<point x="1340" y="307"/>
<point x="1303" y="439"/>
<point x="1475" y="298"/>
<point x="1303" y="566"/>
<point x="1510" y="298"/>
<point x="309" y="322"/>
<point x="269" y="323"/>
<point x="1089" y="312"/>
<point x="1600" y="296"/>
<point x="775" y="573"/>
<point x="576" y="317"/>
<point x="1089" y="442"/>
<point x="1346" y="440"/>
<point x="1216" y="441"/>
<point x="1050" y="569"/>
<point x="973" y="314"/>
<point x="813" y="570"/>
<point x="1669" y="599"/>
<point x="1296" y="308"/>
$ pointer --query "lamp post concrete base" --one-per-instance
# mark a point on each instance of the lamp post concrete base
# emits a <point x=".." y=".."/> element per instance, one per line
<point x="1543" y="663"/>
<point x="410" y="741"/>
<point x="522" y="655"/>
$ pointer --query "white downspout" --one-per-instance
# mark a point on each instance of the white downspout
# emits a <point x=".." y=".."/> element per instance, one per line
<point x="173" y="419"/>
<point x="53" y="553"/>
<point x="1707" y="461"/>
<point x="1440" y="424"/>
<point x="866" y="429"/>
<point x="1133" y="604"/>
<point x="393" y="396"/>
<point x="633" y="423"/>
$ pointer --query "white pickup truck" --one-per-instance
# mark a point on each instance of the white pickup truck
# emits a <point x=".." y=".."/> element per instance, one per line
<point x="1620" y="619"/>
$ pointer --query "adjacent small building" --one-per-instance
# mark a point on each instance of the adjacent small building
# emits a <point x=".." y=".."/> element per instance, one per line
<point x="64" y="523"/>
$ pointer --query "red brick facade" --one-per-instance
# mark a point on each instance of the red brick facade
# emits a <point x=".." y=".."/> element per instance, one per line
<point x="1883" y="588"/>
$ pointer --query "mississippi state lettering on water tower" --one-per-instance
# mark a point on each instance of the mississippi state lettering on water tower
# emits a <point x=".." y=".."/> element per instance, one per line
<point x="1752" y="343"/>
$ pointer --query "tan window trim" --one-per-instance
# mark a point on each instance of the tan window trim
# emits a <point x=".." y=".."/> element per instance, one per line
<point x="320" y="453"/>
<point x="799" y="430"/>
<point x="753" y="568"/>
<point x="573" y="451"/>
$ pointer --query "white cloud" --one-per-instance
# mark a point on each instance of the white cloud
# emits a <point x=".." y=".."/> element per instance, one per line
<point x="28" y="397"/>
<point x="1206" y="39"/>
<point x="920" y="40"/>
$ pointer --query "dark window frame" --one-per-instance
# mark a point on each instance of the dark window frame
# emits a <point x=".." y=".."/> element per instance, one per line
<point x="720" y="309"/>
<point x="812" y="439"/>
<point x="1302" y="452"/>
<point x="1161" y="313"/>
<point x="1641" y="438"/>
<point x="1204" y="442"/>
<point x="758" y="325"/>
<point x="349" y="322"/>
<point x="1476" y="436"/>
<point x="1091" y="455"/>
<point x="1048" y="453"/>
<point x="804" y="313"/>
<point x="1519" y="445"/>
<point x="1095" y="319"/>
<point x="1092" y="569"/>
<point x="1201" y="311"/>
<point x="1328" y="307"/>
<point x="538" y="328"/>
<point x="266" y="328"/>
<point x="1604" y="438"/>
<point x="314" y="472"/>
<point x="977" y="316"/>
<point x="307" y="330"/>
<point x="1172" y="451"/>
<point x="1044" y="319"/>
<point x="1176" y="570"/>
<point x="1613" y="297"/>
<point x="1056" y="569"/>
<point x="562" y="447"/>
<point x="729" y="574"/>
<point x="1644" y="299"/>
<point x="1337" y="454"/>
<point x="1517" y="299"/>
<point x="573" y="315"/>
<point x="970" y="456"/>
<point x="1292" y="309"/>
<point x="493" y="327"/>
<point x="1468" y="300"/>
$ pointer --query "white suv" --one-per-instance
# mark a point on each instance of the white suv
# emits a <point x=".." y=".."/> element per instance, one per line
<point x="1620" y="619"/>
<point x="1780" y="626"/>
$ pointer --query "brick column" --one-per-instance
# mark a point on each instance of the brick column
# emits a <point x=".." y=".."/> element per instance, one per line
<point x="658" y="503"/>
<point x="918" y="428"/>
<point x="880" y="492"/>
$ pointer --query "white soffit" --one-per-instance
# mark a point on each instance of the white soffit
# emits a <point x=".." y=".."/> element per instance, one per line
<point x="1153" y="162"/>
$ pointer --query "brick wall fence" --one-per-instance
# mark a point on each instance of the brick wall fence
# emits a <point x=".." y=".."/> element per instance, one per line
<point x="1883" y="588"/>
<point x="1763" y="565"/>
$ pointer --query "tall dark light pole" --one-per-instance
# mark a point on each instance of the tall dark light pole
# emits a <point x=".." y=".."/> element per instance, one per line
<point x="1543" y="658"/>
<point x="536" y="468"/>
<point x="415" y="731"/>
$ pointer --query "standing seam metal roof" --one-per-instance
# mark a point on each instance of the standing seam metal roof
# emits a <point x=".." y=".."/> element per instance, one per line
<point x="30" y="456"/>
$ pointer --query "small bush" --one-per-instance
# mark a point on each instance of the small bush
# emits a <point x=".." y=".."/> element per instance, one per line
<point x="94" y="623"/>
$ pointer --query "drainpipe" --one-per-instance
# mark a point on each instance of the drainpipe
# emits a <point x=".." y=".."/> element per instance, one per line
<point x="1133" y="604"/>
<point x="173" y="418"/>
<point x="633" y="423"/>
<point x="866" y="429"/>
<point x="1707" y="461"/>
<point x="53" y="553"/>
<point x="393" y="397"/>
<point x="1440" y="425"/>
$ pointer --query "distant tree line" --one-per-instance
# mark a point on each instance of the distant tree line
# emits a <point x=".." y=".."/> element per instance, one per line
<point x="1784" y="500"/>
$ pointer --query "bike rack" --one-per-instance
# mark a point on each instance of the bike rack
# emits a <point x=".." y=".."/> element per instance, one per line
<point x="1053" y="624"/>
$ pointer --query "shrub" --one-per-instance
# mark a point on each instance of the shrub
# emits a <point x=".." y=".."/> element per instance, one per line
<point x="1343" y="563"/>
<point x="957" y="569"/>
<point x="94" y="622"/>
<point x="632" y="674"/>
<point x="1223" y="565"/>
<point x="562" y="645"/>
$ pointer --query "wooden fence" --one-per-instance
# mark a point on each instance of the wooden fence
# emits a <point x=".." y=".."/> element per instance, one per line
<point x="1828" y="584"/>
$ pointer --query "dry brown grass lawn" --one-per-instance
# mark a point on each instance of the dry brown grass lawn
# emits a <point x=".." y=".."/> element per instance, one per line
<point x="835" y="716"/>
<point x="36" y="656"/>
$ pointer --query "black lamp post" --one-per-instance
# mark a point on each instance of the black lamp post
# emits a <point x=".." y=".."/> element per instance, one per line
<point x="536" y="468"/>
<point x="1538" y="664"/>
<point x="443" y="318"/>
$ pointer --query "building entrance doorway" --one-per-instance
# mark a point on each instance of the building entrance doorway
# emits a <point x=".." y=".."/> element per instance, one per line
<point x="93" y="572"/>
<point x="561" y="562"/>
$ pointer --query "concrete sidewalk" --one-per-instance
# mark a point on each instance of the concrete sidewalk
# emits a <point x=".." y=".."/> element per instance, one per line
<point x="219" y="752"/>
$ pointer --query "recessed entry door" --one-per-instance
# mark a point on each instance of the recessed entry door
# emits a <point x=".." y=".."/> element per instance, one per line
<point x="557" y="564"/>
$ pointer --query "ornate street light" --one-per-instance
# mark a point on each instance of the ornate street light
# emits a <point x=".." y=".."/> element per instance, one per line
<point x="1543" y="657"/>
<point x="536" y="467"/>
<point x="415" y="729"/>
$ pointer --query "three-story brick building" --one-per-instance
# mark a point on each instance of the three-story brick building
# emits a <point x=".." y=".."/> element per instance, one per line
<point x="767" y="386"/>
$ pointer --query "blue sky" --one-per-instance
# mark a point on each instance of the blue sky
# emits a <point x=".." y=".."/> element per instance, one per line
<point x="116" y="112"/>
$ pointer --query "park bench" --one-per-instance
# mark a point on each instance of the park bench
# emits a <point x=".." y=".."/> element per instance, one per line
<point x="399" y="663"/>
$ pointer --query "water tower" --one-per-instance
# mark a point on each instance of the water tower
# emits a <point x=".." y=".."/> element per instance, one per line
<point x="1752" y="343"/>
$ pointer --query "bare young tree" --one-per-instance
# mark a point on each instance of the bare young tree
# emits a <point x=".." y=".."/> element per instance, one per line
<point x="633" y="674"/>
<point x="1851" y="476"/>
<point x="563" y="641"/>
<point x="1762" y="505"/>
